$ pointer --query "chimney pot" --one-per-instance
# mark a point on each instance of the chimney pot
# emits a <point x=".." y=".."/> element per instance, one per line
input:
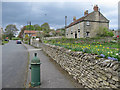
<point x="95" y="8"/>
<point x="74" y="18"/>
<point x="86" y="13"/>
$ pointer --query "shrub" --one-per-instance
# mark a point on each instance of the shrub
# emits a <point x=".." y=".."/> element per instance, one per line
<point x="86" y="50"/>
<point x="103" y="32"/>
<point x="26" y="42"/>
<point x="113" y="41"/>
<point x="77" y="49"/>
<point x="15" y="38"/>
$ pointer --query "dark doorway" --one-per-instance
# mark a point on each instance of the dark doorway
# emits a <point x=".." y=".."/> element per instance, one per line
<point x="87" y="34"/>
<point x="75" y="34"/>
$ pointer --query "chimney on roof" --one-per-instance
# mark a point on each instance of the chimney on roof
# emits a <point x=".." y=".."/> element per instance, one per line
<point x="86" y="13"/>
<point x="95" y="8"/>
<point x="74" y="18"/>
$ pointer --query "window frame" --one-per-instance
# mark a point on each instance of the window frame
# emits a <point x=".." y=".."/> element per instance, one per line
<point x="88" y="23"/>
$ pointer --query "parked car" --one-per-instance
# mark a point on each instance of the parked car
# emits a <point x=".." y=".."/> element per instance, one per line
<point x="18" y="42"/>
<point x="6" y="40"/>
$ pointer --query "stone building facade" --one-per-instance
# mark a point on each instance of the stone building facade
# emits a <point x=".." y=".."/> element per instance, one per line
<point x="88" y="25"/>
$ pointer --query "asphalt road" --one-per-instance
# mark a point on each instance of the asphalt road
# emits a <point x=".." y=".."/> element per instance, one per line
<point x="14" y="63"/>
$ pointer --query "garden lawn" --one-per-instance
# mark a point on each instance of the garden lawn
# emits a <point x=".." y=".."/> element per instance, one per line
<point x="104" y="49"/>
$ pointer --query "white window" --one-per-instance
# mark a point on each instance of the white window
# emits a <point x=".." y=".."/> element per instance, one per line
<point x="87" y="23"/>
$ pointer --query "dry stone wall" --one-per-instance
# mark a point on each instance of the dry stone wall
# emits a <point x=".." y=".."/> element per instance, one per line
<point x="87" y="69"/>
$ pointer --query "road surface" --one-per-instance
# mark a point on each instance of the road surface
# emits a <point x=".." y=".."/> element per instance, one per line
<point x="14" y="62"/>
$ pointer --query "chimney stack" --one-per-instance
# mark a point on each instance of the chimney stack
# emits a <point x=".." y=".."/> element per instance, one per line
<point x="74" y="18"/>
<point x="86" y="13"/>
<point x="95" y="8"/>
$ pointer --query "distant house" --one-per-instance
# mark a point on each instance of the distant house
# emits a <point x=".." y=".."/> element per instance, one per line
<point x="60" y="32"/>
<point x="29" y="33"/>
<point x="87" y="25"/>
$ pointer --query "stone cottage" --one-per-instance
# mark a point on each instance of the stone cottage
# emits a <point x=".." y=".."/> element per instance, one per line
<point x="29" y="33"/>
<point x="88" y="25"/>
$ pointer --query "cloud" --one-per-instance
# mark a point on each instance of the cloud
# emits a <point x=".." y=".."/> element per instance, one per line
<point x="54" y="26"/>
<point x="54" y="12"/>
<point x="113" y="26"/>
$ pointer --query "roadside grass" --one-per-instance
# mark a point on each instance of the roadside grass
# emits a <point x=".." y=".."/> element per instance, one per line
<point x="4" y="42"/>
<point x="15" y="38"/>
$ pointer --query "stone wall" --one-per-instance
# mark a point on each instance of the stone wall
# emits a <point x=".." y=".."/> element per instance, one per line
<point x="49" y="38"/>
<point x="87" y="69"/>
<point x="35" y="43"/>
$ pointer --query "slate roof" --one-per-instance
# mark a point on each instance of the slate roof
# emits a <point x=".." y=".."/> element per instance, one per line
<point x="30" y="32"/>
<point x="79" y="20"/>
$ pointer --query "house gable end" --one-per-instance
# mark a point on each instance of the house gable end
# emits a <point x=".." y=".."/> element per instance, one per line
<point x="96" y="16"/>
<point x="103" y="17"/>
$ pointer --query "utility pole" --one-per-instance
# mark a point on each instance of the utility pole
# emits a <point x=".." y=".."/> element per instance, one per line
<point x="30" y="24"/>
<point x="65" y="24"/>
<point x="65" y="21"/>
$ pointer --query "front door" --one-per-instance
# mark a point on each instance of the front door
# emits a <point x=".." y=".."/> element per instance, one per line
<point x="75" y="34"/>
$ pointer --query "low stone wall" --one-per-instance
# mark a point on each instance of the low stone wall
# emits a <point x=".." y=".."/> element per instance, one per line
<point x="35" y="43"/>
<point x="87" y="69"/>
<point x="49" y="38"/>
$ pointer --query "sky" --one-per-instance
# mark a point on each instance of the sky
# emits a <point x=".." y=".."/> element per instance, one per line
<point x="54" y="12"/>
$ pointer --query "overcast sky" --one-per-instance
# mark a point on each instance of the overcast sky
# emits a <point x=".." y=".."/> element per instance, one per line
<point x="54" y="13"/>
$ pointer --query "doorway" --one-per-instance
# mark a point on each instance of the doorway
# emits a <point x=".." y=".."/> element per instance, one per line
<point x="75" y="34"/>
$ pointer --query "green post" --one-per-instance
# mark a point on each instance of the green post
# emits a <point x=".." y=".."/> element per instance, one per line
<point x="35" y="71"/>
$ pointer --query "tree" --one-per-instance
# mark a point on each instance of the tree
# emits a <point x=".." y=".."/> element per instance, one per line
<point x="104" y="32"/>
<point x="45" y="27"/>
<point x="29" y="27"/>
<point x="11" y="31"/>
<point x="26" y="37"/>
<point x="21" y="32"/>
<point x="37" y="27"/>
<point x="110" y="33"/>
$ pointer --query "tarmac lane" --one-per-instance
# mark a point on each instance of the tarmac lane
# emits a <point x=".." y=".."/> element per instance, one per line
<point x="14" y="65"/>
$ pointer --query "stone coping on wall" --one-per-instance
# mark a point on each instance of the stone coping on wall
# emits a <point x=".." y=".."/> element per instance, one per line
<point x="87" y="69"/>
